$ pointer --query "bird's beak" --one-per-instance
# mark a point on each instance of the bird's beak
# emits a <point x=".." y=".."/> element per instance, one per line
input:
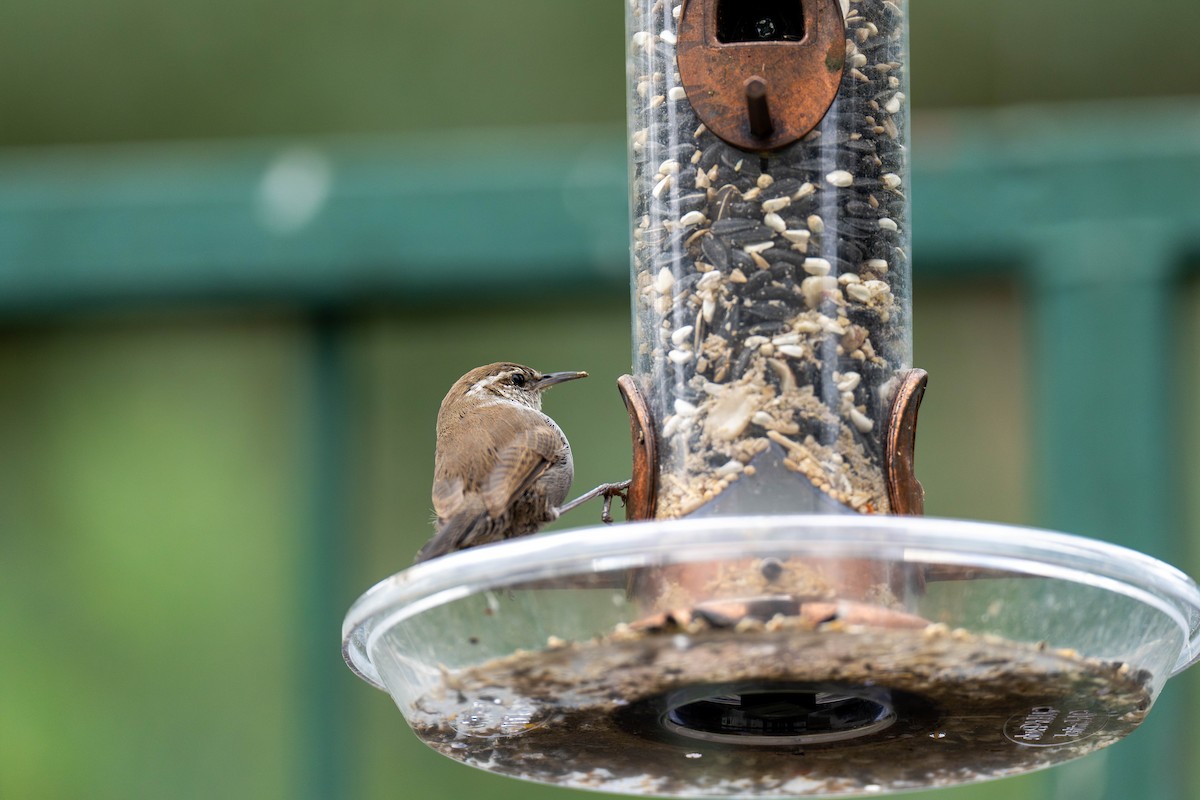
<point x="552" y="378"/>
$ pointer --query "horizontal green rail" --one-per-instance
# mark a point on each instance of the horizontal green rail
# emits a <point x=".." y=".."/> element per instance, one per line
<point x="337" y="221"/>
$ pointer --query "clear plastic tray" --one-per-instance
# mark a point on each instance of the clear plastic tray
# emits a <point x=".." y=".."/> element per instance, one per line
<point x="777" y="655"/>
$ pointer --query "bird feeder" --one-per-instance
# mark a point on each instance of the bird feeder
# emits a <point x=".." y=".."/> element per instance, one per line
<point x="778" y="619"/>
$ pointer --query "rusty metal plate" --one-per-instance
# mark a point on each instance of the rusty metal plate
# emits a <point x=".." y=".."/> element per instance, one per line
<point x="761" y="95"/>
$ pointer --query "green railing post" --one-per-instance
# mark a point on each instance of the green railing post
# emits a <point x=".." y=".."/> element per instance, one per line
<point x="322" y="763"/>
<point x="1103" y="341"/>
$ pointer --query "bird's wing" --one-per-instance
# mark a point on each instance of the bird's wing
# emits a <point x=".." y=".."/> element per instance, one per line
<point x="518" y="464"/>
<point x="448" y="496"/>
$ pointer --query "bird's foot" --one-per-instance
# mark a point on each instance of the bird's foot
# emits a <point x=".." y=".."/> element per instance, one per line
<point x="606" y="490"/>
<point x="612" y="490"/>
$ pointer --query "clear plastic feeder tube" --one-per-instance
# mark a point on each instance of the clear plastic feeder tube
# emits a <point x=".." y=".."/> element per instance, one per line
<point x="771" y="285"/>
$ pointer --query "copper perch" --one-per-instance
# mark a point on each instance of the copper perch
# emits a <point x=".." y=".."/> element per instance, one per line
<point x="643" y="489"/>
<point x="905" y="494"/>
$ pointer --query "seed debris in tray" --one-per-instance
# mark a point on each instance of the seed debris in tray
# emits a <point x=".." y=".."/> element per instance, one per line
<point x="966" y="707"/>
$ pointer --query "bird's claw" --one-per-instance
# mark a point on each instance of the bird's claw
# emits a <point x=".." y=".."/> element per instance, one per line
<point x="610" y="491"/>
<point x="606" y="490"/>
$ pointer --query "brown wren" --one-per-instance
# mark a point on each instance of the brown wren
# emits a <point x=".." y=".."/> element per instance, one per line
<point x="502" y="467"/>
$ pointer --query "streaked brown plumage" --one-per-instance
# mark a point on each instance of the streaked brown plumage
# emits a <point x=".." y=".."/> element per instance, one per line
<point x="502" y="467"/>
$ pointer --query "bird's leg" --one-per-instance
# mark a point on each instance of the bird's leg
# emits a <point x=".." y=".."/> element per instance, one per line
<point x="606" y="509"/>
<point x="607" y="490"/>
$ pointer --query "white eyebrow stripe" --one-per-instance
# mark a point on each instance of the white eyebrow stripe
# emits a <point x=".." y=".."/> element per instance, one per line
<point x="481" y="386"/>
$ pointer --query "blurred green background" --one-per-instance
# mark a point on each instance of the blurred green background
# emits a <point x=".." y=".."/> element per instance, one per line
<point x="246" y="246"/>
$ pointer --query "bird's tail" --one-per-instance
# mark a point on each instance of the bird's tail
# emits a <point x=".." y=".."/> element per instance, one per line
<point x="461" y="531"/>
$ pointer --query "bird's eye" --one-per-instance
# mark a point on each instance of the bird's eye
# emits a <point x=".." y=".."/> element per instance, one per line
<point x="518" y="379"/>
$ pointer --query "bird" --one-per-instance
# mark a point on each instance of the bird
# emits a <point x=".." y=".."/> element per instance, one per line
<point x="502" y="468"/>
